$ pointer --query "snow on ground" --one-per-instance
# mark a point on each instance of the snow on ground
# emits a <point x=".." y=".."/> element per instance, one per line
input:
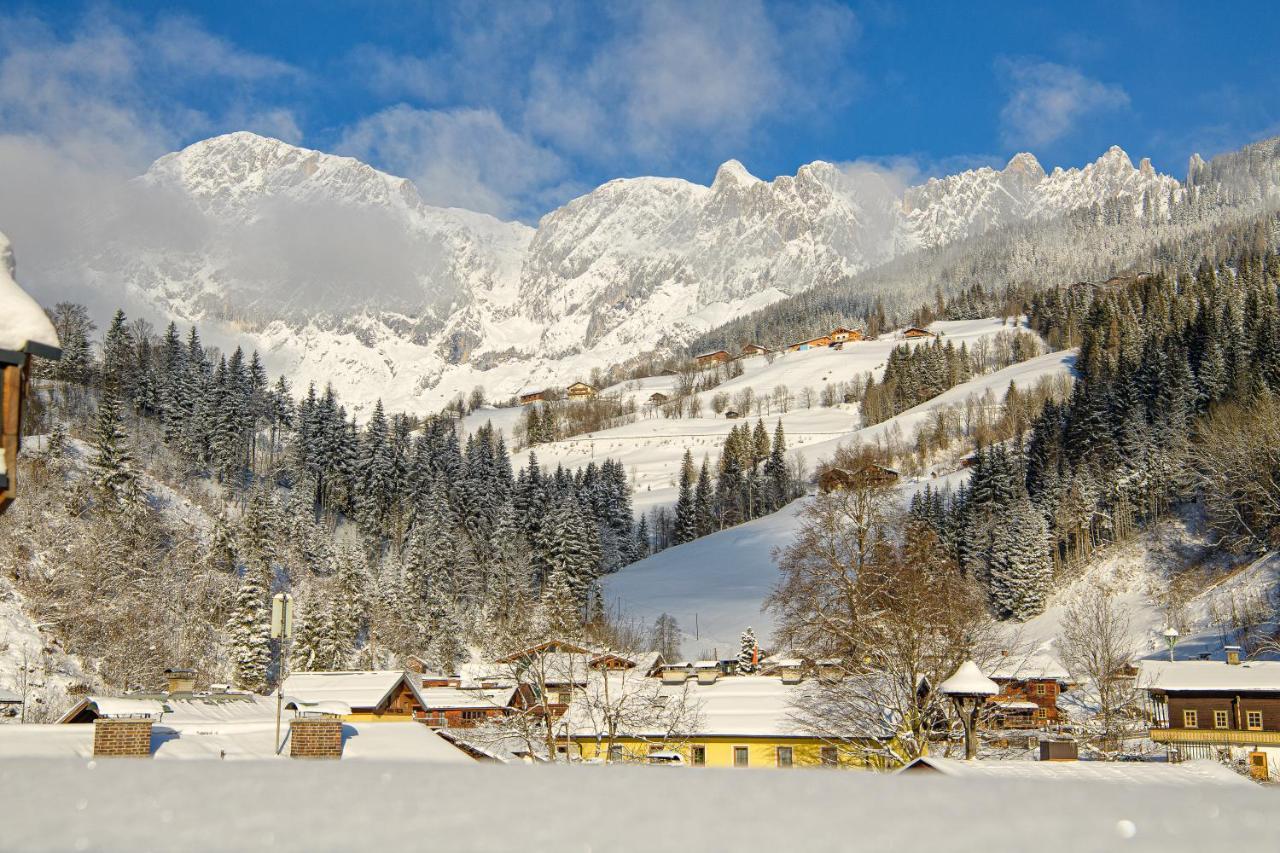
<point x="720" y="581"/>
<point x="1138" y="574"/>
<point x="311" y="806"/>
<point x="651" y="448"/>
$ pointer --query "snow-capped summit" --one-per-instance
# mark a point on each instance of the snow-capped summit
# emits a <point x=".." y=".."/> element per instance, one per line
<point x="343" y="274"/>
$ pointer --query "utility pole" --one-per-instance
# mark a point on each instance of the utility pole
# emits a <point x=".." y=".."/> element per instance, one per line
<point x="282" y="630"/>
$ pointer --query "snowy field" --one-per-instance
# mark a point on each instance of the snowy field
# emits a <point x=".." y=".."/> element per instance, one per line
<point x="295" y="806"/>
<point x="652" y="447"/>
<point x="714" y="586"/>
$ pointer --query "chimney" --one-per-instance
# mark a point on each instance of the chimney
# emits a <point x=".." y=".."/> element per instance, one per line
<point x="181" y="680"/>
<point x="1233" y="655"/>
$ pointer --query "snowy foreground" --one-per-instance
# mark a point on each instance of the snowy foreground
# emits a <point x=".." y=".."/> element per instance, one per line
<point x="139" y="804"/>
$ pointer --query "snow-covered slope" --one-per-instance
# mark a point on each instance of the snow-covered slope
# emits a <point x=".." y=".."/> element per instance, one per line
<point x="719" y="582"/>
<point x="651" y="449"/>
<point x="340" y="273"/>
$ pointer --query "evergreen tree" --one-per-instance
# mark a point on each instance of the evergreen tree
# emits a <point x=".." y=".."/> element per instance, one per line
<point x="748" y="652"/>
<point x="249" y="635"/>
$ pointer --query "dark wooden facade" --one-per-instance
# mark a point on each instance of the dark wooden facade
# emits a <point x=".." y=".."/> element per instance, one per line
<point x="836" y="479"/>
<point x="1041" y="692"/>
<point x="707" y="359"/>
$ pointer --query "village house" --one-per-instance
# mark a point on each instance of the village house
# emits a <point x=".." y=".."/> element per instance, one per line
<point x="732" y="414"/>
<point x="842" y="335"/>
<point x="551" y="673"/>
<point x="580" y="391"/>
<point x="657" y="398"/>
<point x="754" y="349"/>
<point x="812" y="343"/>
<point x="528" y="397"/>
<point x="710" y="359"/>
<point x="1214" y="709"/>
<point x="1029" y="690"/>
<point x="742" y="721"/>
<point x="916" y="332"/>
<point x="834" y="479"/>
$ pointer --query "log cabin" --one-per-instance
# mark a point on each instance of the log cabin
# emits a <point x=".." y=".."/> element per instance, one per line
<point x="834" y="479"/>
<point x="1215" y="709"/>
<point x="754" y="349"/>
<point x="580" y="391"/>
<point x="916" y="332"/>
<point x="528" y="397"/>
<point x="710" y="359"/>
<point x="657" y="398"/>
<point x="841" y="335"/>
<point x="1029" y="690"/>
<point x="812" y="343"/>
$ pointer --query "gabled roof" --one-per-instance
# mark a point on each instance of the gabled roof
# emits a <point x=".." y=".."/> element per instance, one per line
<point x="361" y="689"/>
<point x="542" y="648"/>
<point x="711" y="353"/>
<point x="1037" y="665"/>
<point x="1116" y="772"/>
<point x="24" y="327"/>
<point x="1195" y="675"/>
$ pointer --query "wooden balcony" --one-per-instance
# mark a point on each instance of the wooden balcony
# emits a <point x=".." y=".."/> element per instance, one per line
<point x="1219" y="737"/>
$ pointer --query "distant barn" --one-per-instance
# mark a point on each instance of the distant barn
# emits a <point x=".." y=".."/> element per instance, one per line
<point x="754" y="349"/>
<point x="915" y="332"/>
<point x="528" y="397"/>
<point x="707" y="359"/>
<point x="838" y="479"/>
<point x="842" y="334"/>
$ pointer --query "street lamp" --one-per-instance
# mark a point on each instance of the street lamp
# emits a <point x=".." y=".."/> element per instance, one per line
<point x="282" y="630"/>
<point x="25" y="331"/>
<point x="1171" y="637"/>
<point x="969" y="689"/>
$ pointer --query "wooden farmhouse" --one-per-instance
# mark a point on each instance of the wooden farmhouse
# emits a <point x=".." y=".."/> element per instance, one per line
<point x="732" y="414"/>
<point x="812" y="343"/>
<point x="528" y="397"/>
<point x="1213" y="709"/>
<point x="835" y="479"/>
<point x="915" y="332"/>
<point x="395" y="695"/>
<point x="709" y="359"/>
<point x="1029" y="690"/>
<point x="580" y="391"/>
<point x="657" y="398"/>
<point x="842" y="335"/>
<point x="754" y="349"/>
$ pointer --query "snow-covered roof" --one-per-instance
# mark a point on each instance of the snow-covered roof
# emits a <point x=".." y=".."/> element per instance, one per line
<point x="9" y="697"/>
<point x="1024" y="667"/>
<point x="112" y="706"/>
<point x="24" y="327"/>
<point x="1122" y="772"/>
<point x="365" y="689"/>
<point x="1173" y="676"/>
<point x="968" y="680"/>
<point x="1015" y="704"/>
<point x="241" y="739"/>
<point x="455" y="697"/>
<point x="740" y="706"/>
<point x="330" y="707"/>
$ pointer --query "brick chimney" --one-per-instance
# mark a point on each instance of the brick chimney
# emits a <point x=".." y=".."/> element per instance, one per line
<point x="315" y="737"/>
<point x="122" y="737"/>
<point x="1233" y="655"/>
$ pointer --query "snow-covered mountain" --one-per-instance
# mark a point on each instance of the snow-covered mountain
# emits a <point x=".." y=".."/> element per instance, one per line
<point x="341" y="273"/>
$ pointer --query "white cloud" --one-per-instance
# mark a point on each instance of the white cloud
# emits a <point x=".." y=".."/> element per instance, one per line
<point x="457" y="158"/>
<point x="676" y="76"/>
<point x="1047" y="100"/>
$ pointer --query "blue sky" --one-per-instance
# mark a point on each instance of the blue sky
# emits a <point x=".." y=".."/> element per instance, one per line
<point x="514" y="108"/>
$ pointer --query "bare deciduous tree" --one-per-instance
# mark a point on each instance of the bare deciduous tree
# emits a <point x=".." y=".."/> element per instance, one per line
<point x="1096" y="648"/>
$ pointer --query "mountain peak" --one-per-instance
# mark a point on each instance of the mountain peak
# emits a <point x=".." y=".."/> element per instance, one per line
<point x="733" y="172"/>
<point x="1025" y="163"/>
<point x="1115" y="156"/>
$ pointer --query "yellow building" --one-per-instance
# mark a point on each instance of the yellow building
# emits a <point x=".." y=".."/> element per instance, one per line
<point x="732" y="721"/>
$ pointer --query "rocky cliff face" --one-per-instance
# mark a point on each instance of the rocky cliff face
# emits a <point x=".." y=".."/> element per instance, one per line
<point x="342" y="273"/>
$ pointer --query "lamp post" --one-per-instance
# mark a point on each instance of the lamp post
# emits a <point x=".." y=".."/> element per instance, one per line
<point x="282" y="630"/>
<point x="969" y="690"/>
<point x="1171" y="637"/>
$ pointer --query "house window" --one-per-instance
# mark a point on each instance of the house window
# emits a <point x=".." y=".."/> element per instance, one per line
<point x="699" y="756"/>
<point x="473" y="715"/>
<point x="1190" y="720"/>
<point x="830" y="758"/>
<point x="615" y="752"/>
<point x="1042" y="714"/>
<point x="739" y="756"/>
<point x="1220" y="720"/>
<point x="1040" y="690"/>
<point x="784" y="756"/>
<point x="1254" y="719"/>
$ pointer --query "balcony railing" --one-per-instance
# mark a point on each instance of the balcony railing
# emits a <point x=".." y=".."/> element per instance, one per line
<point x="1225" y="737"/>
